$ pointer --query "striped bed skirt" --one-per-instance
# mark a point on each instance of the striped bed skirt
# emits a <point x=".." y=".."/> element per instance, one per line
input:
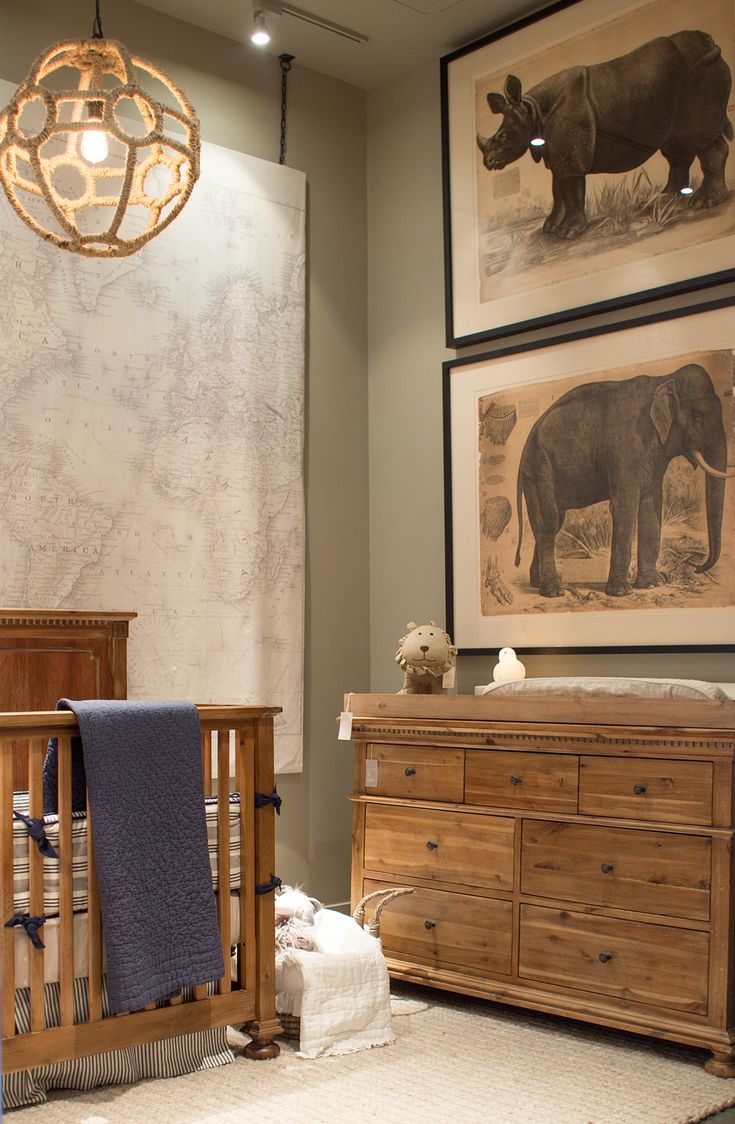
<point x="170" y="1057"/>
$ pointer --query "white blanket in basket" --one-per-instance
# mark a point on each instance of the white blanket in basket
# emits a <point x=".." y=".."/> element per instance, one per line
<point x="341" y="991"/>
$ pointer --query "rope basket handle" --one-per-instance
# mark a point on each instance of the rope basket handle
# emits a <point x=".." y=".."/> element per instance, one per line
<point x="386" y="896"/>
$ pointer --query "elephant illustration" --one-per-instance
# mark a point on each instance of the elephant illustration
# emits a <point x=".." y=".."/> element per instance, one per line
<point x="613" y="440"/>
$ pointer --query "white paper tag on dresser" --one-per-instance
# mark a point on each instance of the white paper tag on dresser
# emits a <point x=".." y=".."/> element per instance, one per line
<point x="448" y="677"/>
<point x="371" y="774"/>
<point x="345" y="726"/>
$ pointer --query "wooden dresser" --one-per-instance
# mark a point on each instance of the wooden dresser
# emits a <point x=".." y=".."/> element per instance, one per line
<point x="48" y="654"/>
<point x="569" y="856"/>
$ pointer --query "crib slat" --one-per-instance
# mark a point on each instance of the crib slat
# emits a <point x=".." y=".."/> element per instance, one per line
<point x="66" y="902"/>
<point x="36" y="869"/>
<point x="223" y="851"/>
<point x="200" y="990"/>
<point x="245" y="782"/>
<point x="207" y="761"/>
<point x="265" y="838"/>
<point x="94" y="931"/>
<point x="7" y="936"/>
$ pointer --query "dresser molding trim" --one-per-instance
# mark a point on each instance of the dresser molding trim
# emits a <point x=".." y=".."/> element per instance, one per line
<point x="61" y="618"/>
<point x="705" y="744"/>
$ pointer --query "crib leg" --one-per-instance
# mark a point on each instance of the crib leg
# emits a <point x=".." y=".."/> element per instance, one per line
<point x="262" y="1046"/>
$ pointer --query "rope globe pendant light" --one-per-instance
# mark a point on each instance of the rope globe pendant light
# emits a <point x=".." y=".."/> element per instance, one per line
<point x="89" y="159"/>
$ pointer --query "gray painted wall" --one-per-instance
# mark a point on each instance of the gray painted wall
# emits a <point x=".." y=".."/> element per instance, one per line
<point x="406" y="350"/>
<point x="375" y="347"/>
<point x="236" y="91"/>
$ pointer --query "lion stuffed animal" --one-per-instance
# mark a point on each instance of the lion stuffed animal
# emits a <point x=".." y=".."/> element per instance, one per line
<point x="425" y="653"/>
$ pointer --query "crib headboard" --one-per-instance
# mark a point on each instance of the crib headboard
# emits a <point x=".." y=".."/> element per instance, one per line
<point x="46" y="654"/>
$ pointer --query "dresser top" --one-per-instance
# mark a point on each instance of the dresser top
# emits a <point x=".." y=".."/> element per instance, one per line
<point x="660" y="714"/>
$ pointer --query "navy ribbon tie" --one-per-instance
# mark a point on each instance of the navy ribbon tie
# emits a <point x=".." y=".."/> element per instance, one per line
<point x="36" y="831"/>
<point x="266" y="887"/>
<point x="262" y="800"/>
<point x="31" y="926"/>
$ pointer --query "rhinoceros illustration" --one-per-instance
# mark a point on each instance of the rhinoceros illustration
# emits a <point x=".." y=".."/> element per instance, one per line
<point x="669" y="94"/>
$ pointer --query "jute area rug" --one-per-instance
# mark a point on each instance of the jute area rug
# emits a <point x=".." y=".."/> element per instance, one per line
<point x="455" y="1060"/>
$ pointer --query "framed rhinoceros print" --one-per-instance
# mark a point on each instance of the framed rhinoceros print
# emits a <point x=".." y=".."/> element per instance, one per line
<point x="589" y="163"/>
<point x="590" y="491"/>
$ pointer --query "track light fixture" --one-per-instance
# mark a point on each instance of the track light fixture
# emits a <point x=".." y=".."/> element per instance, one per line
<point x="276" y="8"/>
<point x="260" y="35"/>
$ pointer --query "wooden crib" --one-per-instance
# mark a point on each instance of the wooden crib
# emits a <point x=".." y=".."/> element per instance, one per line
<point x="244" y="997"/>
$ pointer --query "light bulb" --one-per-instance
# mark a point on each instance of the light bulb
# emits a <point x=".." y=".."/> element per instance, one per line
<point x="94" y="141"/>
<point x="260" y="34"/>
<point x="537" y="141"/>
<point x="94" y="146"/>
<point x="686" y="190"/>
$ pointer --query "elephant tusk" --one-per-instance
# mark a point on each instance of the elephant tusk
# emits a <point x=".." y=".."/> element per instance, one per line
<point x="709" y="469"/>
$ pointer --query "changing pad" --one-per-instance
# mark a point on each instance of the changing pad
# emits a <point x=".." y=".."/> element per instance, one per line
<point x="607" y="685"/>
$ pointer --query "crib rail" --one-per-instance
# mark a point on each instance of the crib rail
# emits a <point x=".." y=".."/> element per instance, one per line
<point x="248" y="998"/>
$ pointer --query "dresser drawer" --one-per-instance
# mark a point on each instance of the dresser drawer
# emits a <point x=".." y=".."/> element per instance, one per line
<point x="648" y="871"/>
<point x="416" y="772"/>
<point x="646" y="789"/>
<point x="457" y="847"/>
<point x="531" y="781"/>
<point x="447" y="930"/>
<point x="655" y="964"/>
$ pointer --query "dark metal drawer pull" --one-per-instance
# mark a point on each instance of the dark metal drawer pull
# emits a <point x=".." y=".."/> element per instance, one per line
<point x="410" y="772"/>
<point x="607" y="867"/>
<point x="516" y="780"/>
<point x="639" y="789"/>
<point x="605" y="956"/>
<point x="430" y="924"/>
<point x="431" y="846"/>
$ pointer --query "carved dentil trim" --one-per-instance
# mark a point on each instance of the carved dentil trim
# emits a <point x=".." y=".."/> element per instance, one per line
<point x="501" y="740"/>
<point x="58" y="622"/>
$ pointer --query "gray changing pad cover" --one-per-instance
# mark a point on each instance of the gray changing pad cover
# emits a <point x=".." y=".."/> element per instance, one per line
<point x="144" y="778"/>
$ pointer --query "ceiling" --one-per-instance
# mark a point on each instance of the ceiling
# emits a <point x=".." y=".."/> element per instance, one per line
<point x="402" y="34"/>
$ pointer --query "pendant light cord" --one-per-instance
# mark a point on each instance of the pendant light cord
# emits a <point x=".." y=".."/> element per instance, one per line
<point x="285" y="61"/>
<point x="97" y="32"/>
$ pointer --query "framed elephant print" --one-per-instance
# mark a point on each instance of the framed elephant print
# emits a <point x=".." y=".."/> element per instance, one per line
<point x="590" y="489"/>
<point x="588" y="163"/>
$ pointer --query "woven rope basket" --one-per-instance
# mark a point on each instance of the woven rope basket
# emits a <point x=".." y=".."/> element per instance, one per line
<point x="291" y="1024"/>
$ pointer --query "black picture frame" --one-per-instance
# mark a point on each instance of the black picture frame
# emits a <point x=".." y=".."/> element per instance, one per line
<point x="664" y="336"/>
<point x="669" y="260"/>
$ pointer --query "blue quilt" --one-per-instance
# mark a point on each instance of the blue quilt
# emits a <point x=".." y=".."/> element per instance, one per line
<point x="144" y="778"/>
